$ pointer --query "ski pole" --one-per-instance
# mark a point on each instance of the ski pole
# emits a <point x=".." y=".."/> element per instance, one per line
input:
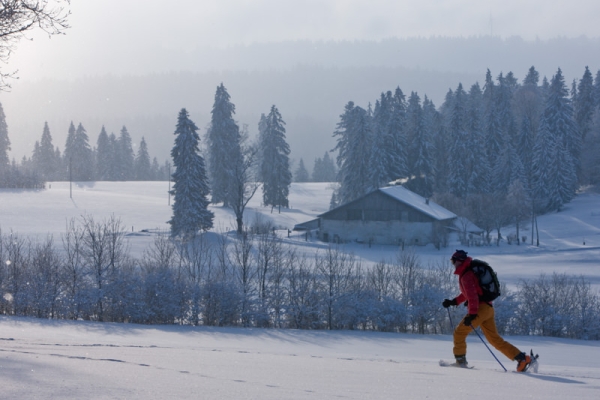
<point x="450" y="317"/>
<point x="488" y="347"/>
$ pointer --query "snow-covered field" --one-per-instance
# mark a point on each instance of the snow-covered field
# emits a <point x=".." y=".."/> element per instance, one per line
<point x="42" y="359"/>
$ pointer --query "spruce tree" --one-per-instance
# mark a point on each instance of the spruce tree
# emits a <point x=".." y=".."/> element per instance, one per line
<point x="354" y="145"/>
<point x="224" y="148"/>
<point x="584" y="103"/>
<point x="458" y="176"/>
<point x="190" y="182"/>
<point x="324" y="169"/>
<point x="388" y="154"/>
<point x="125" y="156"/>
<point x="44" y="158"/>
<point x="301" y="174"/>
<point x="420" y="167"/>
<point x="554" y="167"/>
<point x="274" y="166"/>
<point x="142" y="163"/>
<point x="78" y="155"/>
<point x="476" y="163"/>
<point x="68" y="153"/>
<point x="104" y="157"/>
<point x="441" y="141"/>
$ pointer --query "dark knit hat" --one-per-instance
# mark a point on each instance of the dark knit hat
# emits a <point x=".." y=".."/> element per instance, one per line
<point x="459" y="255"/>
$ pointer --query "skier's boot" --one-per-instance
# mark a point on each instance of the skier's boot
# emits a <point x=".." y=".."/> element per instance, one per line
<point x="461" y="361"/>
<point x="523" y="362"/>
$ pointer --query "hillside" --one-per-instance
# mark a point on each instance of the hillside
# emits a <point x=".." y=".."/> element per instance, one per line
<point x="143" y="207"/>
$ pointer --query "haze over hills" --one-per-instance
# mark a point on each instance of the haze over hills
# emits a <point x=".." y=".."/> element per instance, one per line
<point x="310" y="82"/>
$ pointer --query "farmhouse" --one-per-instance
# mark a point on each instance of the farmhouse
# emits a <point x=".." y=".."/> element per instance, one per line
<point x="390" y="215"/>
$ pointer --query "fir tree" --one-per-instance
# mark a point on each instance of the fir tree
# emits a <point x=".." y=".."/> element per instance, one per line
<point x="553" y="164"/>
<point x="44" y="157"/>
<point x="301" y="174"/>
<point x="274" y="167"/>
<point x="125" y="158"/>
<point x="142" y="163"/>
<point x="420" y="169"/>
<point x="190" y="182"/>
<point x="78" y="155"/>
<point x="224" y="147"/>
<point x="458" y="176"/>
<point x="353" y="145"/>
<point x="69" y="151"/>
<point x="492" y="123"/>
<point x="105" y="154"/>
<point x="324" y="169"/>
<point x="476" y="163"/>
<point x="528" y="100"/>
<point x="441" y="142"/>
<point x="388" y="153"/>
<point x="584" y="103"/>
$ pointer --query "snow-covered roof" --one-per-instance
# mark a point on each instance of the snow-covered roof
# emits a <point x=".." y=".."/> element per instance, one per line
<point x="412" y="199"/>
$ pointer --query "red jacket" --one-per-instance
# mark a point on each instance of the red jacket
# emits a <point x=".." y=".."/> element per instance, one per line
<point x="469" y="286"/>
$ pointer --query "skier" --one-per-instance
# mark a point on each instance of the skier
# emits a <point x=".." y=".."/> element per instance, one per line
<point x="479" y="314"/>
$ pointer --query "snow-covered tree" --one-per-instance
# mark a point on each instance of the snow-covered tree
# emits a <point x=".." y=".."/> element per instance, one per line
<point x="388" y="153"/>
<point x="274" y="164"/>
<point x="354" y="148"/>
<point x="142" y="165"/>
<point x="420" y="163"/>
<point x="104" y="156"/>
<point x="301" y="174"/>
<point x="324" y="169"/>
<point x="554" y="167"/>
<point x="44" y="157"/>
<point x="458" y="176"/>
<point x="78" y="155"/>
<point x="124" y="155"/>
<point x="584" y="105"/>
<point x="224" y="147"/>
<point x="476" y="162"/>
<point x="190" y="182"/>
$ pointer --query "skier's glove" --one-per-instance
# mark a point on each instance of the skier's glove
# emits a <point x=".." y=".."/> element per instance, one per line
<point x="447" y="303"/>
<point x="469" y="318"/>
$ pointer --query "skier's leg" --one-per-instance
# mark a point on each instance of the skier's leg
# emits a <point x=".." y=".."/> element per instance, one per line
<point x="488" y="326"/>
<point x="460" y="339"/>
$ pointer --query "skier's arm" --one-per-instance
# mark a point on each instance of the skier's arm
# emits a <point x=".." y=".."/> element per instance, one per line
<point x="471" y="292"/>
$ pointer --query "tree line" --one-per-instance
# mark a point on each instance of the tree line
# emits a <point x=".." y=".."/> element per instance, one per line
<point x="111" y="159"/>
<point x="498" y="154"/>
<point x="256" y="280"/>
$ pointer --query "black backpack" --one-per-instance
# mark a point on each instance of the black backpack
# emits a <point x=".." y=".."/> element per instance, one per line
<point x="488" y="280"/>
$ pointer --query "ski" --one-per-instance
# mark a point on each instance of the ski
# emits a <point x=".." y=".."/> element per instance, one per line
<point x="444" y="363"/>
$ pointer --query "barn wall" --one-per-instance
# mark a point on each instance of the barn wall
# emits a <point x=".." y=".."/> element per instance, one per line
<point x="380" y="232"/>
<point x="377" y="207"/>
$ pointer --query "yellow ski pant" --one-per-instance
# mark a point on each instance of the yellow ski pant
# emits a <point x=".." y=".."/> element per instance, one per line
<point x="485" y="320"/>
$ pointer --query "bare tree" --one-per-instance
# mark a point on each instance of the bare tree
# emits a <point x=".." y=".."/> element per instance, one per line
<point x="244" y="184"/>
<point x="17" y="17"/>
<point x="104" y="251"/>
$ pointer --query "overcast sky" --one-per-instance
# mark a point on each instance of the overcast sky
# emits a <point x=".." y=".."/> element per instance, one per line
<point x="106" y="35"/>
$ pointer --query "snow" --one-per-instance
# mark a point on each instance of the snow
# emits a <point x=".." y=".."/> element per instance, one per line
<point x="45" y="359"/>
<point x="420" y="203"/>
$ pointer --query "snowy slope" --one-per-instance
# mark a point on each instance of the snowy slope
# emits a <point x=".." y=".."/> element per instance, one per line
<point x="77" y="360"/>
<point x="74" y="360"/>
<point x="145" y="206"/>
